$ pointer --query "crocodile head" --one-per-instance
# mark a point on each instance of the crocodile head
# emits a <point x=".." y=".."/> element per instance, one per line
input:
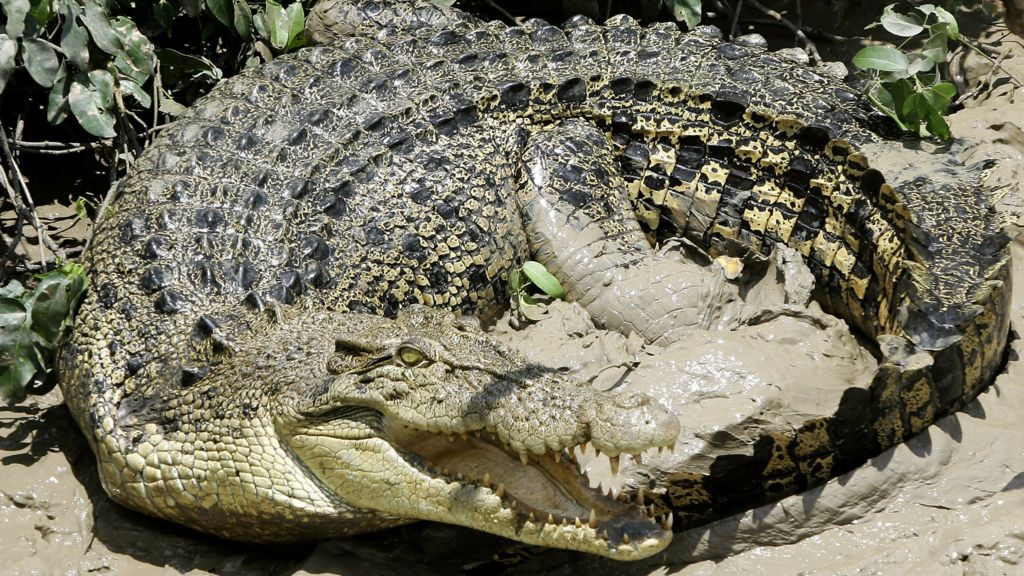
<point x="426" y="417"/>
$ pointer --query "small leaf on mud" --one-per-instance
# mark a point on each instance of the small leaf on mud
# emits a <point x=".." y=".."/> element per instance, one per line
<point x="543" y="279"/>
<point x="884" y="58"/>
<point x="40" y="61"/>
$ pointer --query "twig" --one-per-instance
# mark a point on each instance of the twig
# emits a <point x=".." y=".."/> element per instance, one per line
<point x="735" y="18"/>
<point x="808" y="45"/>
<point x="24" y="190"/>
<point x="504" y="13"/>
<point x="986" y="82"/>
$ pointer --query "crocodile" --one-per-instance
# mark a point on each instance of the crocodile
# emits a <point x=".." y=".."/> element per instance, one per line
<point x="283" y="336"/>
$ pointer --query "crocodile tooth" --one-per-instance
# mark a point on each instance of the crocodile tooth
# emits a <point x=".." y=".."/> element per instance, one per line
<point x="501" y="490"/>
<point x="625" y="538"/>
<point x="558" y="457"/>
<point x="524" y="458"/>
<point x="667" y="524"/>
<point x="459" y="476"/>
<point x="614" y="461"/>
<point x="565" y="521"/>
<point x="533" y="518"/>
<point x="572" y="456"/>
<point x="551" y="518"/>
<point x="477" y="433"/>
<point x="465" y="437"/>
<point x="593" y="519"/>
<point x="640" y="496"/>
<point x="614" y="492"/>
<point x="487" y="479"/>
<point x="451" y="438"/>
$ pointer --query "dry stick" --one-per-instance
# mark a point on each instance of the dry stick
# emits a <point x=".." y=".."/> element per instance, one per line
<point x="18" y="221"/>
<point x="24" y="190"/>
<point x="811" y="48"/>
<point x="504" y="13"/>
<point x="735" y="18"/>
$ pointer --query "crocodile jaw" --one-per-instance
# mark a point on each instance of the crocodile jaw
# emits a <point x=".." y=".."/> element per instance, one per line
<point x="477" y="483"/>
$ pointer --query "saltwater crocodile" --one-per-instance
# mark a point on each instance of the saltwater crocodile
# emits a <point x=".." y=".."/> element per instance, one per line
<point x="278" y="340"/>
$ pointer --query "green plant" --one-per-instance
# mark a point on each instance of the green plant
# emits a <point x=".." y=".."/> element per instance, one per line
<point x="909" y="86"/>
<point x="533" y="274"/>
<point x="89" y="54"/>
<point x="31" y="324"/>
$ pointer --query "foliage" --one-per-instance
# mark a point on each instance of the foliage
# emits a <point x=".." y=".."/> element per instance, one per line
<point x="909" y="86"/>
<point x="31" y="324"/>
<point x="533" y="275"/>
<point x="89" y="54"/>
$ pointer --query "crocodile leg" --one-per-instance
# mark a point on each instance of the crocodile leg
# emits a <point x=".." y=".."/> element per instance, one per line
<point x="581" y="226"/>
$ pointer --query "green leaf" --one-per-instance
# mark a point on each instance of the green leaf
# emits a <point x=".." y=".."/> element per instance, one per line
<point x="57" y="108"/>
<point x="915" y="108"/>
<point x="516" y="281"/>
<point x="939" y="96"/>
<point x="222" y="10"/>
<point x="92" y="103"/>
<point x="919" y="63"/>
<point x="192" y="7"/>
<point x="170" y="107"/>
<point x="884" y="58"/>
<point x="296" y="27"/>
<point x="15" y="10"/>
<point x="165" y="12"/>
<point x="136" y="91"/>
<point x="40" y="61"/>
<point x="42" y="12"/>
<point x="98" y="23"/>
<point x="687" y="11"/>
<point x="945" y="89"/>
<point x="285" y="25"/>
<point x="54" y="299"/>
<point x="901" y="24"/>
<point x="543" y="279"/>
<point x="32" y="323"/>
<point x="138" y="50"/>
<point x="8" y="51"/>
<point x="935" y="48"/>
<point x="243" y="18"/>
<point x="178" y="69"/>
<point x="937" y="125"/>
<point x="74" y="39"/>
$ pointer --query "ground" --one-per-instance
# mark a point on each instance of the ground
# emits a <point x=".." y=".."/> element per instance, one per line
<point x="949" y="501"/>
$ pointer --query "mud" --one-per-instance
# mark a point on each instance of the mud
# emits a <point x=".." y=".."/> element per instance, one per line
<point x="949" y="501"/>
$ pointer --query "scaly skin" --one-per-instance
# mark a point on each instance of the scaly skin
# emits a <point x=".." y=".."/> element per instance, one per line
<point x="250" y="360"/>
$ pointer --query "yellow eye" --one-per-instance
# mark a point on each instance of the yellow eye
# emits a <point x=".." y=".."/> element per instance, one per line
<point x="410" y="356"/>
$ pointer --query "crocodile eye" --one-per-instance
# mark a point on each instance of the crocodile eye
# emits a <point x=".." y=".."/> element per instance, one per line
<point x="410" y="356"/>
